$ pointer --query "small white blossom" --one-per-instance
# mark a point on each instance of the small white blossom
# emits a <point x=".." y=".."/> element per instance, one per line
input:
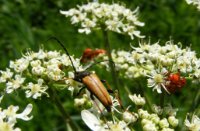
<point x="154" y="118"/>
<point x="11" y="113"/>
<point x="96" y="125"/>
<point x="164" y="123"/>
<point x="130" y="117"/>
<point x="19" y="65"/>
<point x="4" y="126"/>
<point x="149" y="126"/>
<point x="5" y="75"/>
<point x="36" y="90"/>
<point x="138" y="100"/>
<point x="157" y="80"/>
<point x="143" y="114"/>
<point x="38" y="70"/>
<point x="14" y="84"/>
<point x="173" y="121"/>
<point x="194" y="124"/>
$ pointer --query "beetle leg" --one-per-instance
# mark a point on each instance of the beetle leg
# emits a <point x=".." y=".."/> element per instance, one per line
<point x="92" y="96"/>
<point x="108" y="86"/>
<point x="79" y="92"/>
<point x="118" y="98"/>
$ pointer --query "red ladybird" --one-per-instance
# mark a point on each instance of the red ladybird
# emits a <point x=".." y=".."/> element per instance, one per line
<point x="175" y="82"/>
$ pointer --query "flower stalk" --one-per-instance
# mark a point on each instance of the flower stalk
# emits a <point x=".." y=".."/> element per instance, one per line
<point x="111" y="63"/>
<point x="65" y="115"/>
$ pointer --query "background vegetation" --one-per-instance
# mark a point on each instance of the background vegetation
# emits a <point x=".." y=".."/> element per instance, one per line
<point x="29" y="23"/>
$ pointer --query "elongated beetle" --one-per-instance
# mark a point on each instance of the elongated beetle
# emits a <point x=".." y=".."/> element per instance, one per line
<point x="92" y="83"/>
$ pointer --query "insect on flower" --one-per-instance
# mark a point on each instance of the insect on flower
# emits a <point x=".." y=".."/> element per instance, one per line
<point x="175" y="82"/>
<point x="91" y="82"/>
<point x="90" y="54"/>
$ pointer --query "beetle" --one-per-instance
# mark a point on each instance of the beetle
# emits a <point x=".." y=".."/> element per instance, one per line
<point x="91" y="81"/>
<point x="175" y="82"/>
<point x="90" y="54"/>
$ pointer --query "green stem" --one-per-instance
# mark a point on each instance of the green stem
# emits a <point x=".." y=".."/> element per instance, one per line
<point x="111" y="64"/>
<point x="149" y="104"/>
<point x="65" y="115"/>
<point x="162" y="100"/>
<point x="195" y="101"/>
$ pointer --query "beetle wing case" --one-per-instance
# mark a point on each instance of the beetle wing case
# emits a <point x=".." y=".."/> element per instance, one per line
<point x="96" y="87"/>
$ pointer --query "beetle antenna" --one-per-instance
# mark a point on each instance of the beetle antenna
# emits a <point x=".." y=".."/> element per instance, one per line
<point x="65" y="49"/>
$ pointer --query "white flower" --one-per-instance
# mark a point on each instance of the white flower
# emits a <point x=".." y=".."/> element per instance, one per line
<point x="138" y="100"/>
<point x="38" y="70"/>
<point x="41" y="54"/>
<point x="5" y="75"/>
<point x="4" y="126"/>
<point x="194" y="125"/>
<point x="143" y="114"/>
<point x="11" y="113"/>
<point x="154" y="118"/>
<point x="91" y="120"/>
<point x="14" y="84"/>
<point x="53" y="54"/>
<point x="173" y="121"/>
<point x="157" y="80"/>
<point x="36" y="90"/>
<point x="35" y="63"/>
<point x="54" y="72"/>
<point x="19" y="65"/>
<point x="149" y="126"/>
<point x="164" y="123"/>
<point x="157" y="109"/>
<point x="130" y="117"/>
<point x="96" y="125"/>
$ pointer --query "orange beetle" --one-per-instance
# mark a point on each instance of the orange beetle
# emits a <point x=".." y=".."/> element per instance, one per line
<point x="91" y="80"/>
<point x="89" y="54"/>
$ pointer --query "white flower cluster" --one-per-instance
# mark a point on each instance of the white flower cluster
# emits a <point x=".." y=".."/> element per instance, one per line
<point x="124" y="121"/>
<point x="157" y="62"/>
<point x="113" y="17"/>
<point x="35" y="71"/>
<point x="9" y="116"/>
<point x="194" y="2"/>
<point x="152" y="122"/>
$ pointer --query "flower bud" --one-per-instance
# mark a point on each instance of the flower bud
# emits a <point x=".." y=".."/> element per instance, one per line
<point x="145" y="121"/>
<point x="167" y="129"/>
<point x="129" y="117"/>
<point x="154" y="118"/>
<point x="138" y="100"/>
<point x="173" y="121"/>
<point x="149" y="127"/>
<point x="143" y="114"/>
<point x="164" y="123"/>
<point x="35" y="63"/>
<point x="79" y="102"/>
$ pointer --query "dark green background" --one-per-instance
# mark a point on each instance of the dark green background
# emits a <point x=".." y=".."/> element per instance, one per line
<point x="29" y="23"/>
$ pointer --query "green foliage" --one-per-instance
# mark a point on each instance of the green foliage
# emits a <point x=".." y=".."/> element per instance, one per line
<point x="30" y="23"/>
